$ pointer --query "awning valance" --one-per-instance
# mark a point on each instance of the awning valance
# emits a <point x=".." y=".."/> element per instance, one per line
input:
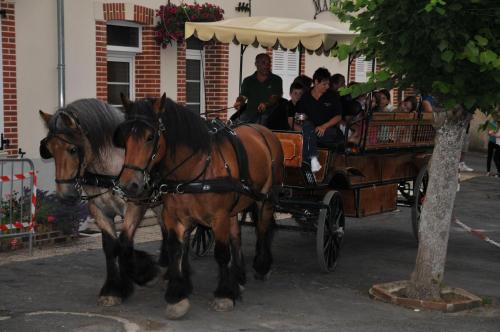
<point x="271" y="32"/>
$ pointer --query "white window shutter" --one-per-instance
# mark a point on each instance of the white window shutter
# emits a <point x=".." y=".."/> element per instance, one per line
<point x="286" y="66"/>
<point x="363" y="68"/>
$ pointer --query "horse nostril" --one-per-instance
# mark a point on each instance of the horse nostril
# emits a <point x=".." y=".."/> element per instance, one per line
<point x="132" y="188"/>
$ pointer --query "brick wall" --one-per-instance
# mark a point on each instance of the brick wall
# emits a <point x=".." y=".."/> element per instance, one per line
<point x="101" y="60"/>
<point x="147" y="63"/>
<point x="181" y="73"/>
<point x="9" y="76"/>
<point x="216" y="79"/>
<point x="147" y="66"/>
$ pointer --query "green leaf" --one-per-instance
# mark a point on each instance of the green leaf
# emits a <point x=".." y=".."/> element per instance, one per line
<point x="487" y="57"/>
<point x="481" y="41"/>
<point x="469" y="102"/>
<point x="440" y="11"/>
<point x="343" y="51"/>
<point x="447" y="56"/>
<point x="443" y="44"/>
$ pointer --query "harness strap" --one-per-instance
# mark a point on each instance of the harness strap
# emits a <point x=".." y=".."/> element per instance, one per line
<point x="98" y="180"/>
<point x="217" y="185"/>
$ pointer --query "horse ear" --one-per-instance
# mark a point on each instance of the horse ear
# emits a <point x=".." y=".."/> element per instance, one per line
<point x="125" y="101"/>
<point x="69" y="121"/>
<point x="45" y="117"/>
<point x="159" y="105"/>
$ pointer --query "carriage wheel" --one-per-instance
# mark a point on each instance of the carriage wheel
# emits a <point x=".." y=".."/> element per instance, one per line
<point x="201" y="240"/>
<point x="330" y="231"/>
<point x="405" y="190"/>
<point x="419" y="191"/>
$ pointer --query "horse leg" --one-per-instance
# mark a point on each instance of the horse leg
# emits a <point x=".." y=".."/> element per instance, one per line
<point x="229" y="259"/>
<point x="137" y="264"/>
<point x="163" y="259"/>
<point x="264" y="230"/>
<point x="236" y="253"/>
<point x="178" y="272"/>
<point x="115" y="288"/>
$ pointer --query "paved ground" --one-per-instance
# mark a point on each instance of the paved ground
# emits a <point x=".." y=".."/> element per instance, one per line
<point x="58" y="292"/>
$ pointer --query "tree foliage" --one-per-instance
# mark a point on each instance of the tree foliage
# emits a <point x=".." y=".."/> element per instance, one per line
<point x="450" y="48"/>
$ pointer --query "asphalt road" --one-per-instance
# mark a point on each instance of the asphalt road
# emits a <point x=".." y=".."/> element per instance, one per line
<point x="59" y="293"/>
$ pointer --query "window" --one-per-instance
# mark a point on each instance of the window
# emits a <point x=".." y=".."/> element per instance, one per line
<point x="286" y="66"/>
<point x="195" y="88"/>
<point x="124" y="36"/>
<point x="123" y="43"/>
<point x="120" y="78"/>
<point x="363" y="68"/>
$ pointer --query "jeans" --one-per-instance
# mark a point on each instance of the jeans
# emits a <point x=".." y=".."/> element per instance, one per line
<point x="491" y="152"/>
<point x="333" y="135"/>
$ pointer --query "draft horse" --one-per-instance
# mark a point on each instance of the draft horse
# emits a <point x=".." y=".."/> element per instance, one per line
<point x="208" y="174"/>
<point x="80" y="141"/>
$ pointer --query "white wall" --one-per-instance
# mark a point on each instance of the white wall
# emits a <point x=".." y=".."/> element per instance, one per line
<point x="36" y="38"/>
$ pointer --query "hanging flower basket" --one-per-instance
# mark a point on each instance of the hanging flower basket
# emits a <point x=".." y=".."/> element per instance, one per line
<point x="171" y="20"/>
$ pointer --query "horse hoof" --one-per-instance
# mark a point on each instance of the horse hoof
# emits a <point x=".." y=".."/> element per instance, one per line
<point x="109" y="301"/>
<point x="177" y="310"/>
<point x="223" y="304"/>
<point x="262" y="277"/>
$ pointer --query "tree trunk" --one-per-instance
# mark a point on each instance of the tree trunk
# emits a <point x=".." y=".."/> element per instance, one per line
<point x="426" y="279"/>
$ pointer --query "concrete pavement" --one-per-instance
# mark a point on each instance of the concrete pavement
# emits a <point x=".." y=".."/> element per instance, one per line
<point x="59" y="293"/>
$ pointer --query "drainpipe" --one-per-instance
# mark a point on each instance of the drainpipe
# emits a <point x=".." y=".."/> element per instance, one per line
<point x="60" y="54"/>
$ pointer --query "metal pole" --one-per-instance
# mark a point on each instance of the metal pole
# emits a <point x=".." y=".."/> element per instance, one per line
<point x="249" y="8"/>
<point x="60" y="53"/>
<point x="242" y="50"/>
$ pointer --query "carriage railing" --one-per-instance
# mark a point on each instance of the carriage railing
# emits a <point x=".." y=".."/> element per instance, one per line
<point x="391" y="131"/>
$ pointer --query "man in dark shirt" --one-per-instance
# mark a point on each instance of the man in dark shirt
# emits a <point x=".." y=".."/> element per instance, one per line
<point x="324" y="112"/>
<point x="261" y="91"/>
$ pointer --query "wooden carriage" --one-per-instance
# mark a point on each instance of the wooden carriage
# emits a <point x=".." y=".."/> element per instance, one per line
<point x="387" y="165"/>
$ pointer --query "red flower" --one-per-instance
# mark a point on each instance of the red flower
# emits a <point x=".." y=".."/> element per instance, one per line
<point x="3" y="228"/>
<point x="51" y="219"/>
<point x="18" y="225"/>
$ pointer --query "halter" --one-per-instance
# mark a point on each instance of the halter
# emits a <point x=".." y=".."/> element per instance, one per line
<point x="78" y="180"/>
<point x="120" y="141"/>
<point x="45" y="154"/>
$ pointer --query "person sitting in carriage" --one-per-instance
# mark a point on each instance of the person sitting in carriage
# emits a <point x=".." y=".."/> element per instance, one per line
<point x="324" y="113"/>
<point x="282" y="117"/>
<point x="260" y="93"/>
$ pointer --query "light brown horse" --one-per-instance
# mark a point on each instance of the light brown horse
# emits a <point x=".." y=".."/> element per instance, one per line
<point x="203" y="181"/>
<point x="80" y="142"/>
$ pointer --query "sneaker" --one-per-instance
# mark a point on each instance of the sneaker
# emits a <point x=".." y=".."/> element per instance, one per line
<point x="315" y="165"/>
<point x="464" y="168"/>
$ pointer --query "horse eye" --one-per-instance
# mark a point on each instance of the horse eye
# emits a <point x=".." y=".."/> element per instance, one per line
<point x="150" y="138"/>
<point x="73" y="150"/>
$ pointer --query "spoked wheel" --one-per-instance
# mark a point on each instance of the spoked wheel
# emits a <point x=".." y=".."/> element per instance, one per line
<point x="330" y="231"/>
<point x="201" y="240"/>
<point x="405" y="190"/>
<point x="419" y="191"/>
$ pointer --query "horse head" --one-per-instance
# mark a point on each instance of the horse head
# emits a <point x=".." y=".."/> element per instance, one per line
<point x="67" y="144"/>
<point x="142" y="137"/>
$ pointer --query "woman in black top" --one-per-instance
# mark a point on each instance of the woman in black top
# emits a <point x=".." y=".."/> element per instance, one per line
<point x="324" y="112"/>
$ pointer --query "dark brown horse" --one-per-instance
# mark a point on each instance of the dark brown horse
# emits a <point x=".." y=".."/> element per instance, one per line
<point x="80" y="141"/>
<point x="205" y="178"/>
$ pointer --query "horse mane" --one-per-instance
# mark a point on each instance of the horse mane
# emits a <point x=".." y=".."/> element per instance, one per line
<point x="97" y="119"/>
<point x="185" y="127"/>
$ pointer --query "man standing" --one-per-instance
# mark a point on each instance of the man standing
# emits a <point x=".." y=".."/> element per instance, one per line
<point x="261" y="92"/>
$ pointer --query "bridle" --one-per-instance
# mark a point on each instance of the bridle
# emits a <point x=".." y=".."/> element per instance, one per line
<point x="119" y="140"/>
<point x="45" y="153"/>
